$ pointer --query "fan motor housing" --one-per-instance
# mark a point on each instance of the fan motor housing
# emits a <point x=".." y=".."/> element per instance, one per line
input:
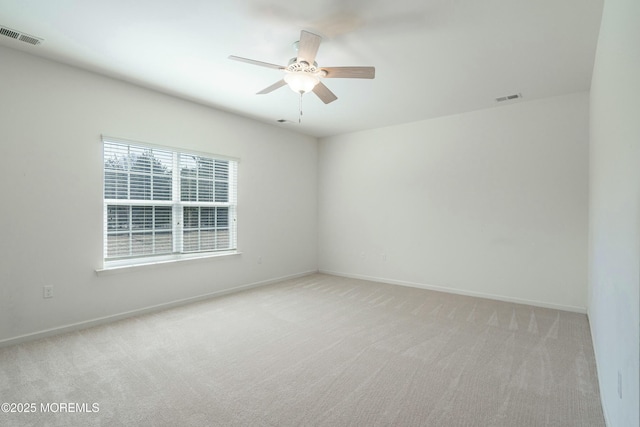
<point x="302" y="66"/>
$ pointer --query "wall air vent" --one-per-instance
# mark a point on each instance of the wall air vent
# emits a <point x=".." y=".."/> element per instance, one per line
<point x="509" y="97"/>
<point x="8" y="32"/>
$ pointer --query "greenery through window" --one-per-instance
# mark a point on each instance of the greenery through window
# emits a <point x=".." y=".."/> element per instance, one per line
<point x="161" y="202"/>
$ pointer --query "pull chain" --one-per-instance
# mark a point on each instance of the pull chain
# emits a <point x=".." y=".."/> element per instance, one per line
<point x="300" y="108"/>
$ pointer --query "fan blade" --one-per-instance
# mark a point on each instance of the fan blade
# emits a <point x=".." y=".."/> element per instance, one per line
<point x="254" y="62"/>
<point x="349" y="72"/>
<point x="308" y="47"/>
<point x="273" y="87"/>
<point x="324" y="93"/>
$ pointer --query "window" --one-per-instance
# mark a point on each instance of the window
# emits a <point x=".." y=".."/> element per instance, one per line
<point x="164" y="204"/>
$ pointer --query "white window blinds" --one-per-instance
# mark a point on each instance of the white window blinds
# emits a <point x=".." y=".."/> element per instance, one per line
<point x="163" y="202"/>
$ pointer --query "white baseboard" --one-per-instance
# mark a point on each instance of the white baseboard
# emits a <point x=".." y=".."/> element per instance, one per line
<point x="571" y="308"/>
<point x="598" y="371"/>
<point x="145" y="310"/>
<point x="150" y="309"/>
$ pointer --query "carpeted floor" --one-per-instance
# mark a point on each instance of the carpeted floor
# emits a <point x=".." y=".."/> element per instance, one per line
<point x="317" y="351"/>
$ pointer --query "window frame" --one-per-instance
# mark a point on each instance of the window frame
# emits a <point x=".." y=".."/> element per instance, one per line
<point x="177" y="230"/>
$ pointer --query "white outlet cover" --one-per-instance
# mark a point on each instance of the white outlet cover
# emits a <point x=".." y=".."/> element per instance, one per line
<point x="47" y="292"/>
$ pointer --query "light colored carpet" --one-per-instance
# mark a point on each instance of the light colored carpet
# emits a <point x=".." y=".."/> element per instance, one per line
<point x="319" y="350"/>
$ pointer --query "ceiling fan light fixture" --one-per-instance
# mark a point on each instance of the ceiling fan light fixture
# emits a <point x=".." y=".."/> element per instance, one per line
<point x="303" y="75"/>
<point x="301" y="82"/>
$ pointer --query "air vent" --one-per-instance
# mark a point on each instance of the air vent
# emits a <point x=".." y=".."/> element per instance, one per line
<point x="509" y="97"/>
<point x="8" y="32"/>
<point x="28" y="39"/>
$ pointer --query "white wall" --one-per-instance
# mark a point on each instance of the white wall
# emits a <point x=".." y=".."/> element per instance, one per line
<point x="614" y="226"/>
<point x="492" y="202"/>
<point x="51" y="119"/>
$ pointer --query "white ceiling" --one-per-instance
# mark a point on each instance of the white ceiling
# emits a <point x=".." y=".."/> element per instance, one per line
<point x="432" y="57"/>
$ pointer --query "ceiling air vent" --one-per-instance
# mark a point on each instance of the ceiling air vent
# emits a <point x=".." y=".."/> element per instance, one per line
<point x="509" y="97"/>
<point x="8" y="32"/>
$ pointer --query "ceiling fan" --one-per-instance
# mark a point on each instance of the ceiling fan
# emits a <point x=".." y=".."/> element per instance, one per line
<point x="303" y="74"/>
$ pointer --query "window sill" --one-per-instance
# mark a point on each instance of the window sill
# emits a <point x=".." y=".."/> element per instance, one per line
<point x="120" y="267"/>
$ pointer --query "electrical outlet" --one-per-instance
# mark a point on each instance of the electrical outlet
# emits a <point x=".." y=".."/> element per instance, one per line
<point x="47" y="292"/>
